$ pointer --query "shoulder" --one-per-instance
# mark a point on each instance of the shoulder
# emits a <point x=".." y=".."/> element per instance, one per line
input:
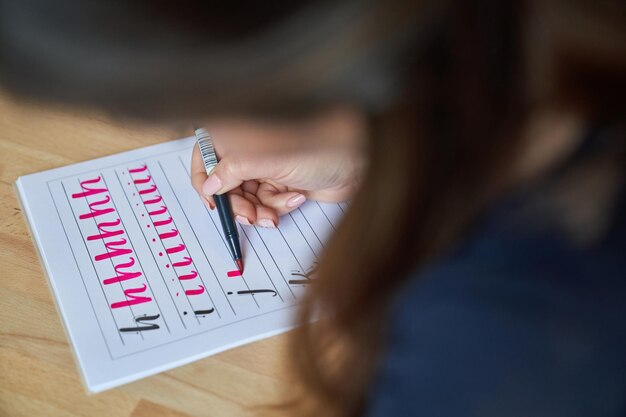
<point x="507" y="329"/>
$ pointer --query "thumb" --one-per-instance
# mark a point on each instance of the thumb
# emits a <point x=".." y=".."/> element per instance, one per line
<point x="230" y="172"/>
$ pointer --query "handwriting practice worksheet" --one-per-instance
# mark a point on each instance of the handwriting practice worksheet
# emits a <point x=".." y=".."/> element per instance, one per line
<point x="140" y="270"/>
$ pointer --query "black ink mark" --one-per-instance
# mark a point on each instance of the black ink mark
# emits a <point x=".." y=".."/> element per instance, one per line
<point x="306" y="275"/>
<point x="243" y="292"/>
<point x="299" y="281"/>
<point x="203" y="312"/>
<point x="142" y="320"/>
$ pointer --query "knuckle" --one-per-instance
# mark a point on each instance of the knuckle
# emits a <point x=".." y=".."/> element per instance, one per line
<point x="231" y="167"/>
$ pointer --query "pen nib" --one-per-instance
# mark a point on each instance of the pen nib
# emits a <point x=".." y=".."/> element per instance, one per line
<point x="239" y="263"/>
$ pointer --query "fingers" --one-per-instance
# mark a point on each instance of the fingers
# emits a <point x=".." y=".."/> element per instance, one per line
<point x="231" y="172"/>
<point x="278" y="199"/>
<point x="266" y="216"/>
<point x="250" y="186"/>
<point x="244" y="210"/>
<point x="247" y="208"/>
<point x="252" y="202"/>
<point x="199" y="176"/>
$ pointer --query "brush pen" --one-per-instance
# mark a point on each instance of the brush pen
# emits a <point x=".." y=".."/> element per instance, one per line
<point x="222" y="203"/>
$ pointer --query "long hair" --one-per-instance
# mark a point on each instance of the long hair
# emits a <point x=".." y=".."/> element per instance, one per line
<point x="448" y="88"/>
<point x="437" y="157"/>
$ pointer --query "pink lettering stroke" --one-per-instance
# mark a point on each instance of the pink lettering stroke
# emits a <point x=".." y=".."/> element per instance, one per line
<point x="117" y="248"/>
<point x="167" y="232"/>
<point x="131" y="298"/>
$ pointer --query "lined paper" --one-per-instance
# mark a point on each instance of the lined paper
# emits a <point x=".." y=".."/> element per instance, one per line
<point x="140" y="270"/>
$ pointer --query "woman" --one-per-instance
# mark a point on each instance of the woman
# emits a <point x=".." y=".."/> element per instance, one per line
<point x="479" y="270"/>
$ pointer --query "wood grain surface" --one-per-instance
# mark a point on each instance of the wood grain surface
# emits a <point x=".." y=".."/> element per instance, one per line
<point x="38" y="374"/>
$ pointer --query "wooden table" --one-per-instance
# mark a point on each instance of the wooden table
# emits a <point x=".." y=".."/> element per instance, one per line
<point x="38" y="374"/>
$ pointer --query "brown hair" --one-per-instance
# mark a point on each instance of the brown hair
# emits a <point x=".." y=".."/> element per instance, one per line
<point x="435" y="158"/>
<point x="439" y="157"/>
<point x="448" y="87"/>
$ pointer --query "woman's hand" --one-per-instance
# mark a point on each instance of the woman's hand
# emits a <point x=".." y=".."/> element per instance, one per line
<point x="271" y="169"/>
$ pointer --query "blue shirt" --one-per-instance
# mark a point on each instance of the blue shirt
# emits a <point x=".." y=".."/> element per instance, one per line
<point x="519" y="321"/>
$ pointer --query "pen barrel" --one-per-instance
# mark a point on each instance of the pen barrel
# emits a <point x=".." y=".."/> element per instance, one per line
<point x="228" y="224"/>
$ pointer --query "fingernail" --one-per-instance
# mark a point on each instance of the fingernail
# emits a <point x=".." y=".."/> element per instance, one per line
<point x="208" y="203"/>
<point x="211" y="185"/>
<point x="296" y="200"/>
<point x="266" y="223"/>
<point x="243" y="220"/>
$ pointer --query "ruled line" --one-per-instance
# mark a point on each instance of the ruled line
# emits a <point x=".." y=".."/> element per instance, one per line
<point x="311" y="227"/>
<point x="133" y="247"/>
<point x="106" y="342"/>
<point x="196" y="236"/>
<point x="107" y="251"/>
<point x="151" y="253"/>
<point x="220" y="234"/>
<point x="92" y="263"/>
